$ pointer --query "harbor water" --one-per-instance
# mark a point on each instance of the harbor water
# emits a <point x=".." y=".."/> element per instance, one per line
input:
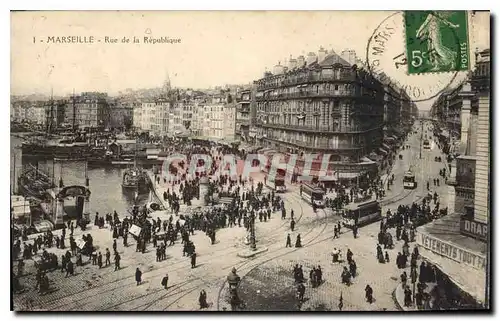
<point x="107" y="194"/>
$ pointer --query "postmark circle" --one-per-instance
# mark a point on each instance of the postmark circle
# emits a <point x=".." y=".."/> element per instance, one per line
<point x="386" y="61"/>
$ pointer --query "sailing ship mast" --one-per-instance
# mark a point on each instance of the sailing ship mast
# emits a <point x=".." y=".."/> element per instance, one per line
<point x="50" y="115"/>
<point x="13" y="184"/>
<point x="74" y="110"/>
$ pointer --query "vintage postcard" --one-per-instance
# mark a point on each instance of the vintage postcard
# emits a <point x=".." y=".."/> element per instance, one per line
<point x="250" y="160"/>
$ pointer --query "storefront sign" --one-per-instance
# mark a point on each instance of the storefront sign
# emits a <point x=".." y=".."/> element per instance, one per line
<point x="451" y="251"/>
<point x="474" y="229"/>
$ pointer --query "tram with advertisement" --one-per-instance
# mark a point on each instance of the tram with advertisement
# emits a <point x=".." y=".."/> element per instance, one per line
<point x="277" y="183"/>
<point x="312" y="194"/>
<point x="409" y="180"/>
<point x="358" y="214"/>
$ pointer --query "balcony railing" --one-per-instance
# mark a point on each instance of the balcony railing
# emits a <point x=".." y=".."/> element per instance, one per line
<point x="342" y="77"/>
<point x="317" y="146"/>
<point x="303" y="128"/>
<point x="307" y="94"/>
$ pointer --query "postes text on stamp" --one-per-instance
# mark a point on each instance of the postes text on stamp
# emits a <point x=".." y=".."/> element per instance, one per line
<point x="436" y="41"/>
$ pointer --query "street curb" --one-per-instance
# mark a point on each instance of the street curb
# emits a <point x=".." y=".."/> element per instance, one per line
<point x="400" y="308"/>
<point x="155" y="190"/>
<point x="249" y="253"/>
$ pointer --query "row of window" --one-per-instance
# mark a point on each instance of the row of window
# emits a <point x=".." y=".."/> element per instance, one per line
<point x="306" y="75"/>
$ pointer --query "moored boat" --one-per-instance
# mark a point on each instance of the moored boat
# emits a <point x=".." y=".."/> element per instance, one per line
<point x="135" y="179"/>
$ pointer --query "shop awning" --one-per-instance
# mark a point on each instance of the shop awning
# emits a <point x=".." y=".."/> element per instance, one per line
<point x="366" y="160"/>
<point x="468" y="279"/>
<point x="460" y="257"/>
<point x="394" y="137"/>
<point x="386" y="147"/>
<point x="383" y="151"/>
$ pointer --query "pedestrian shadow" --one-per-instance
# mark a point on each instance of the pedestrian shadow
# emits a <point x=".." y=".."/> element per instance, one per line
<point x="198" y="265"/>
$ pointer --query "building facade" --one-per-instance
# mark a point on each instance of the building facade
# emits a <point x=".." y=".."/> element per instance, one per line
<point x="153" y="116"/>
<point x="322" y="104"/>
<point x="229" y="122"/>
<point x="243" y="114"/>
<point x="459" y="243"/>
<point x="88" y="110"/>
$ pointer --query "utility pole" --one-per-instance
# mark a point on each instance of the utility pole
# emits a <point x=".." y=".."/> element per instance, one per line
<point x="421" y="137"/>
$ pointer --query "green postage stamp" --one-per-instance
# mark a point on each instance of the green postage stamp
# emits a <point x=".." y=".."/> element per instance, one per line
<point x="436" y="41"/>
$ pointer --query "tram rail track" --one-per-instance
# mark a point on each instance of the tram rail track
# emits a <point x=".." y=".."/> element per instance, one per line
<point x="159" y="271"/>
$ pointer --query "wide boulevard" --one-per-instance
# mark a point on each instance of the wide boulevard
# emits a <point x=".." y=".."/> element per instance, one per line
<point x="267" y="279"/>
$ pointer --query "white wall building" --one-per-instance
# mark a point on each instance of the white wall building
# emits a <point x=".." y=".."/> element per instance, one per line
<point x="229" y="122"/>
<point x="137" y="117"/>
<point x="153" y="116"/>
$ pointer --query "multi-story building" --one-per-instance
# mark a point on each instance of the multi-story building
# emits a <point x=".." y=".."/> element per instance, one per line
<point x="243" y="114"/>
<point x="18" y="111"/>
<point x="460" y="242"/>
<point x="90" y="109"/>
<point x="122" y="113"/>
<point x="137" y="117"/>
<point x="452" y="111"/>
<point x="229" y="122"/>
<point x="153" y="116"/>
<point x="39" y="113"/>
<point x="175" y="116"/>
<point x="323" y="105"/>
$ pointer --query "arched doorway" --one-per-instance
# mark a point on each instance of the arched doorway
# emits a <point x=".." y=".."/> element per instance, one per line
<point x="74" y="197"/>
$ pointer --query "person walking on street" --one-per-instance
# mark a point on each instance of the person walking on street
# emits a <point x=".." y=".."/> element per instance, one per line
<point x="117" y="261"/>
<point x="99" y="260"/>
<point x="138" y="276"/>
<point x="108" y="258"/>
<point x="298" y="242"/>
<point x="369" y="294"/>
<point x="193" y="260"/>
<point x="288" y="241"/>
<point x="292" y="224"/>
<point x="202" y="300"/>
<point x="164" y="281"/>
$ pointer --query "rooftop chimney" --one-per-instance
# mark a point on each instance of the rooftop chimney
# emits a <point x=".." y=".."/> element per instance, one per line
<point x="300" y="61"/>
<point x="321" y="54"/>
<point x="311" y="58"/>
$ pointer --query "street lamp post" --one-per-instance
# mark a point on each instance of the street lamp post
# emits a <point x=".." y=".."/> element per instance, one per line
<point x="253" y="246"/>
<point x="413" y="275"/>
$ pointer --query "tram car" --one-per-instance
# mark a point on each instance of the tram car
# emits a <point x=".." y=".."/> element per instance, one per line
<point x="312" y="195"/>
<point x="409" y="181"/>
<point x="359" y="214"/>
<point x="276" y="184"/>
<point x="427" y="144"/>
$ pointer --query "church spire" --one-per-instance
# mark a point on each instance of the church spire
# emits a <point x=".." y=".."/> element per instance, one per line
<point x="166" y="84"/>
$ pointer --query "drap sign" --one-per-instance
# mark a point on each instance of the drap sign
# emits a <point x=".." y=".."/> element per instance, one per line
<point x="451" y="251"/>
<point x="474" y="229"/>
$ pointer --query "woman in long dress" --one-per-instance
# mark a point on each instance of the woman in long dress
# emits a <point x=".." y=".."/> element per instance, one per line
<point x="430" y="31"/>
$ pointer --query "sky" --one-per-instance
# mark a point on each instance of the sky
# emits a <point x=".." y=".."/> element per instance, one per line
<point x="216" y="48"/>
